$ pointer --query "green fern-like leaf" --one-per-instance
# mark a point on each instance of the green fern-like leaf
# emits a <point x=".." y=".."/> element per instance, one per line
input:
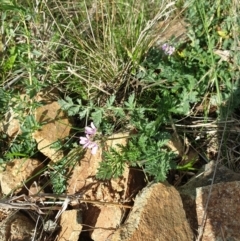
<point x="112" y="166"/>
<point x="97" y="116"/>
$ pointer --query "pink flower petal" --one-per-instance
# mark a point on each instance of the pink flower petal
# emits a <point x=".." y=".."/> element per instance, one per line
<point x="83" y="140"/>
<point x="94" y="149"/>
<point x="88" y="130"/>
<point x="168" y="49"/>
<point x="91" y="130"/>
<point x="164" y="47"/>
<point x="93" y="126"/>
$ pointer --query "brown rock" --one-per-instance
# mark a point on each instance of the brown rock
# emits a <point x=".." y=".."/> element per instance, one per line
<point x="56" y="126"/>
<point x="22" y="229"/>
<point x="13" y="128"/>
<point x="157" y="215"/>
<point x="10" y="125"/>
<point x="16" y="174"/>
<point x="84" y="171"/>
<point x="222" y="220"/>
<point x="203" y="178"/>
<point x="104" y="219"/>
<point x="70" y="225"/>
<point x="17" y="227"/>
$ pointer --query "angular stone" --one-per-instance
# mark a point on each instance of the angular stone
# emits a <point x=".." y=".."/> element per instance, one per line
<point x="203" y="178"/>
<point x="17" y="227"/>
<point x="55" y="126"/>
<point x="83" y="172"/>
<point x="12" y="127"/>
<point x="222" y="220"/>
<point x="16" y="174"/>
<point x="104" y="219"/>
<point x="157" y="214"/>
<point x="71" y="227"/>
<point x="22" y="229"/>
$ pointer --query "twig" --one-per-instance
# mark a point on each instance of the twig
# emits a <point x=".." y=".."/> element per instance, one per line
<point x="24" y="202"/>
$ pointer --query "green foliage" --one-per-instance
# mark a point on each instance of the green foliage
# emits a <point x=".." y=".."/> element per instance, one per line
<point x="173" y="85"/>
<point x="146" y="149"/>
<point x="59" y="171"/>
<point x="4" y="102"/>
<point x="103" y="115"/>
<point x="22" y="109"/>
<point x="211" y="29"/>
<point x="24" y="145"/>
<point x="9" y="62"/>
<point x="195" y="71"/>
<point x="58" y="177"/>
<point x="112" y="166"/>
<point x="187" y="167"/>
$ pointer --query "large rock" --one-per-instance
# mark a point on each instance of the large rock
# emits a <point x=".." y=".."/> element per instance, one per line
<point x="55" y="127"/>
<point x="222" y="198"/>
<point x="17" y="172"/>
<point x="104" y="219"/>
<point x="157" y="214"/>
<point x="222" y="213"/>
<point x="17" y="227"/>
<point x="71" y="227"/>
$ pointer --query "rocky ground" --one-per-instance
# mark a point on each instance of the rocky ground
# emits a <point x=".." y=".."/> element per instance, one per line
<point x="129" y="208"/>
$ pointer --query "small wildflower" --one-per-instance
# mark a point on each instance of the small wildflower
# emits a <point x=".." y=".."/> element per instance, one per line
<point x="91" y="130"/>
<point x="168" y="49"/>
<point x="94" y="147"/>
<point x="86" y="141"/>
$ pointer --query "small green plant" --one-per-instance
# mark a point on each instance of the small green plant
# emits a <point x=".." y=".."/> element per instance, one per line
<point x="60" y="171"/>
<point x="146" y="148"/>
<point x="22" y="143"/>
<point x="58" y="177"/>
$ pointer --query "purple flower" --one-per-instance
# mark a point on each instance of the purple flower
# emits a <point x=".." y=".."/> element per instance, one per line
<point x="94" y="147"/>
<point x="90" y="130"/>
<point x="85" y="141"/>
<point x="88" y="143"/>
<point x="164" y="47"/>
<point x="168" y="49"/>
